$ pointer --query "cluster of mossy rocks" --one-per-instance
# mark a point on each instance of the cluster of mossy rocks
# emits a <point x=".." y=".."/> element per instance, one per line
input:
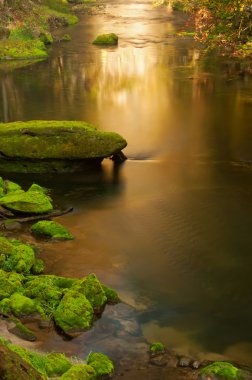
<point x="71" y="304"/>
<point x="17" y="363"/>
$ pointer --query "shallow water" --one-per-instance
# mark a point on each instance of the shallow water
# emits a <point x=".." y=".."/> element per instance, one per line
<point x="170" y="229"/>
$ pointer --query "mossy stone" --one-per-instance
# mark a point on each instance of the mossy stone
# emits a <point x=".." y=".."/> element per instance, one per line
<point x="31" y="202"/>
<point x="41" y="139"/>
<point x="111" y="294"/>
<point x="106" y="39"/>
<point x="21" y="305"/>
<point x="79" y="372"/>
<point x="38" y="267"/>
<point x="51" y="229"/>
<point x="102" y="365"/>
<point x="20" y="260"/>
<point x="74" y="313"/>
<point x="221" y="370"/>
<point x="56" y="364"/>
<point x="91" y="287"/>
<point x="21" y="330"/>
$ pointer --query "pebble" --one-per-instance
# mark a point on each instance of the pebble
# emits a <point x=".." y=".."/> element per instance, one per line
<point x="184" y="362"/>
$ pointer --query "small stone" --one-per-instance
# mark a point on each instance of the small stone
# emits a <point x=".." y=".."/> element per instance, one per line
<point x="159" y="361"/>
<point x="195" y="364"/>
<point x="184" y="362"/>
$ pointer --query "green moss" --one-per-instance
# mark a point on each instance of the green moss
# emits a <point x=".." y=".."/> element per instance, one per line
<point x="31" y="201"/>
<point x="9" y="186"/>
<point x="38" y="267"/>
<point x="106" y="39"/>
<point x="223" y="370"/>
<point x="111" y="294"/>
<point x="20" y="260"/>
<point x="5" y="308"/>
<point x="21" y="33"/>
<point x="57" y="140"/>
<point x="157" y="347"/>
<point x="35" y="359"/>
<point x="17" y="49"/>
<point x="65" y="37"/>
<point x="102" y="365"/>
<point x="91" y="287"/>
<point x="74" y="313"/>
<point x="67" y="18"/>
<point x="21" y="305"/>
<point x="46" y="37"/>
<point x="51" y="229"/>
<point x="79" y="372"/>
<point x="56" y="364"/>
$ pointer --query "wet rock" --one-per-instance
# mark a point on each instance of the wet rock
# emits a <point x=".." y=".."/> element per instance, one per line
<point x="184" y="362"/>
<point x="45" y="324"/>
<point x="21" y="330"/>
<point x="195" y="364"/>
<point x="159" y="361"/>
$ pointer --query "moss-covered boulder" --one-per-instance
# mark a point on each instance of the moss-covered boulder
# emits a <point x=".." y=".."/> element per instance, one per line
<point x="16" y="256"/>
<point x="221" y="371"/>
<point x="111" y="294"/>
<point x="63" y="140"/>
<point x="32" y="201"/>
<point x="19" y="329"/>
<point x="74" y="313"/>
<point x="13" y="367"/>
<point x="106" y="39"/>
<point x="9" y="284"/>
<point x="91" y="287"/>
<point x="56" y="364"/>
<point x="21" y="305"/>
<point x="157" y="348"/>
<point x="79" y="372"/>
<point x="51" y="229"/>
<point x="102" y="365"/>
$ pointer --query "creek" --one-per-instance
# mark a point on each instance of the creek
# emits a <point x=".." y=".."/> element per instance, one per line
<point x="170" y="229"/>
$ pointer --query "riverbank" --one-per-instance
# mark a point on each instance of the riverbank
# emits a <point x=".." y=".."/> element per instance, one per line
<point x="27" y="28"/>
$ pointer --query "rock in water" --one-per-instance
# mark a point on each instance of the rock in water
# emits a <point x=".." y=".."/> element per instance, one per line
<point x="63" y="140"/>
<point x="106" y="39"/>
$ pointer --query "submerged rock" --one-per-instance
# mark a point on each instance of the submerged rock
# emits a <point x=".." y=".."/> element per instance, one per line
<point x="63" y="140"/>
<point x="106" y="39"/>
<point x="51" y="229"/>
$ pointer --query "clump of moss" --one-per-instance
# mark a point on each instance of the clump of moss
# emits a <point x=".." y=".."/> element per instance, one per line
<point x="102" y="365"/>
<point x="157" y="348"/>
<point x="106" y="39"/>
<point x="51" y="229"/>
<point x="9" y="283"/>
<point x="79" y="372"/>
<point x="221" y="370"/>
<point x="56" y="364"/>
<point x="65" y="37"/>
<point x="111" y="294"/>
<point x="38" y="267"/>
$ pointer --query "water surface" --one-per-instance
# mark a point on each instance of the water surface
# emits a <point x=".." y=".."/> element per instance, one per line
<point x="170" y="229"/>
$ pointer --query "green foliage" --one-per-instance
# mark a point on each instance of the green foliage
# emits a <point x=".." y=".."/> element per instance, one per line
<point x="102" y="365"/>
<point x="222" y="370"/>
<point x="51" y="229"/>
<point x="226" y="23"/>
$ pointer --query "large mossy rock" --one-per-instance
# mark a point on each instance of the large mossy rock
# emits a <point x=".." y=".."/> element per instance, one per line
<point x="221" y="371"/>
<point x="51" y="230"/>
<point x="63" y="140"/>
<point x="13" y="367"/>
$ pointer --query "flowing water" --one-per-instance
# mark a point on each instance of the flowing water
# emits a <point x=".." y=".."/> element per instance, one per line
<point x="171" y="228"/>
